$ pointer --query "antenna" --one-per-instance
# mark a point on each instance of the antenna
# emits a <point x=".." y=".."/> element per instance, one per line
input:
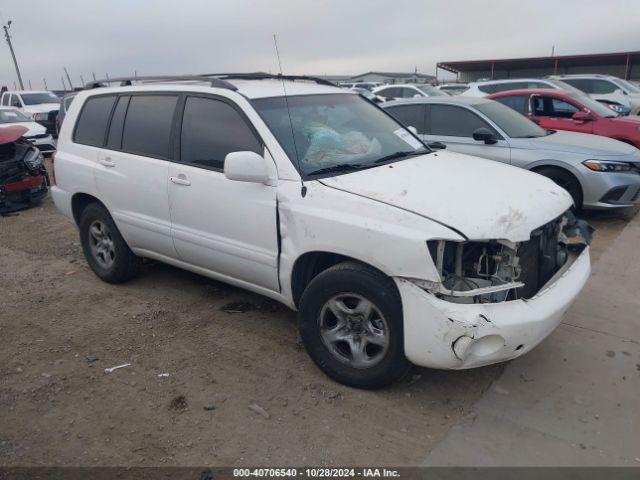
<point x="303" y="190"/>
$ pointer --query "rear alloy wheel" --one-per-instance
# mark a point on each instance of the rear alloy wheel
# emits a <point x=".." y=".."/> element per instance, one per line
<point x="350" y="320"/>
<point x="106" y="252"/>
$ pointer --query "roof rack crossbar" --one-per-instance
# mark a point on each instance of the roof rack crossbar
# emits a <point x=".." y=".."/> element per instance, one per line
<point x="127" y="81"/>
<point x="269" y="76"/>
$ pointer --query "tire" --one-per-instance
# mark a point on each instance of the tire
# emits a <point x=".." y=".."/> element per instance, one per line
<point x="106" y="252"/>
<point x="565" y="180"/>
<point x="362" y="344"/>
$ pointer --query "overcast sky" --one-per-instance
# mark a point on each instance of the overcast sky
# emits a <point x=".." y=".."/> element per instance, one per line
<point x="314" y="37"/>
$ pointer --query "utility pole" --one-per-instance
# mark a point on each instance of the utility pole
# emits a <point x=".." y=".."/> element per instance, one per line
<point x="44" y="80"/>
<point x="68" y="78"/>
<point x="30" y="87"/>
<point x="15" y="62"/>
<point x="82" y="80"/>
<point x="64" y="87"/>
<point x="94" y="76"/>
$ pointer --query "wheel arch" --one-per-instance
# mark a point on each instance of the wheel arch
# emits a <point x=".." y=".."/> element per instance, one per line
<point x="310" y="264"/>
<point x="558" y="166"/>
<point x="79" y="202"/>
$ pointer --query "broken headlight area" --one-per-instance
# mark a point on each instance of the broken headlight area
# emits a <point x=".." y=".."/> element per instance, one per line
<point x="499" y="270"/>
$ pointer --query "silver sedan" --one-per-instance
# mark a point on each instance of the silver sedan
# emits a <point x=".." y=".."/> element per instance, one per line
<point x="598" y="172"/>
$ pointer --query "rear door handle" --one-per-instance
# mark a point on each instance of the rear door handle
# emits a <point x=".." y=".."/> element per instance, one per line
<point x="107" y="162"/>
<point x="180" y="180"/>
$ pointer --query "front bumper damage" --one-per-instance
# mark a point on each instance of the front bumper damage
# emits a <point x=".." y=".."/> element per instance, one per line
<point x="450" y="331"/>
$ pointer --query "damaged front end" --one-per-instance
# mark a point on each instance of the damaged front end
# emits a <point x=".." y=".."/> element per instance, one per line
<point x="499" y="270"/>
<point x="23" y="176"/>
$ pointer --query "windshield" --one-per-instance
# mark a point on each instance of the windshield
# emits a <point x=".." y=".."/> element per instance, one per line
<point x="36" y="98"/>
<point x="594" y="105"/>
<point x="628" y="85"/>
<point x="510" y="121"/>
<point x="335" y="131"/>
<point x="12" y="116"/>
<point x="431" y="90"/>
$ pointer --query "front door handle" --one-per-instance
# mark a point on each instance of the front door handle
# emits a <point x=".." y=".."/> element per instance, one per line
<point x="107" y="162"/>
<point x="180" y="180"/>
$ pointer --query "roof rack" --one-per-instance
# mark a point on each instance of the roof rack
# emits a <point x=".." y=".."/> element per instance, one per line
<point x="268" y="76"/>
<point x="127" y="81"/>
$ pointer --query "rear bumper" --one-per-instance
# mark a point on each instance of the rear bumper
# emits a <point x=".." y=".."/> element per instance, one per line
<point x="441" y="334"/>
<point x="62" y="200"/>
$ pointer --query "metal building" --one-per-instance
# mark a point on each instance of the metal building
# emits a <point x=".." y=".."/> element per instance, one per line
<point x="621" y="64"/>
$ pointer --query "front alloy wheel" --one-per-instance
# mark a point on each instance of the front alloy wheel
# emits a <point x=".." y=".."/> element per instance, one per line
<point x="354" y="330"/>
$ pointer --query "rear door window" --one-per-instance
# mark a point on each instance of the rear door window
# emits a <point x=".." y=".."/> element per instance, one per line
<point x="449" y="120"/>
<point x="91" y="127"/>
<point x="210" y="130"/>
<point x="410" y="116"/>
<point x="489" y="88"/>
<point x="147" y="127"/>
<point x="519" y="103"/>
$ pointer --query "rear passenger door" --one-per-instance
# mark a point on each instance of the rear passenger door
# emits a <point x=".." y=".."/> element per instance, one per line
<point x="454" y="126"/>
<point x="224" y="226"/>
<point x="133" y="166"/>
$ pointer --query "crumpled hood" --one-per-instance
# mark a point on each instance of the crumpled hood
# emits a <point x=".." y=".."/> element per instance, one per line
<point x="42" y="107"/>
<point x="482" y="199"/>
<point x="578" y="143"/>
<point x="11" y="133"/>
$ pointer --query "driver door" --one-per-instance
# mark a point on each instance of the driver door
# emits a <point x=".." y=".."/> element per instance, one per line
<point x="556" y="113"/>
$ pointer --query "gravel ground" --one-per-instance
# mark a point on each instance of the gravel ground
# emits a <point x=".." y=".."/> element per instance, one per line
<point x="205" y="386"/>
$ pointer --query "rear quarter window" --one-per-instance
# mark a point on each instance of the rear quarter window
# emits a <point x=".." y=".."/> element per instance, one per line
<point x="91" y="127"/>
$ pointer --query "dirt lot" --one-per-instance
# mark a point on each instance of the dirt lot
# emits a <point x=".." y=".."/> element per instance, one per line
<point x="60" y="327"/>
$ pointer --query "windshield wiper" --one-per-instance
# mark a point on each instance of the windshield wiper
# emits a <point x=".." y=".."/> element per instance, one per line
<point x="341" y="167"/>
<point x="397" y="155"/>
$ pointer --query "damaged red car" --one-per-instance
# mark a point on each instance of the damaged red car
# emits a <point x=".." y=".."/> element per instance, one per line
<point x="23" y="177"/>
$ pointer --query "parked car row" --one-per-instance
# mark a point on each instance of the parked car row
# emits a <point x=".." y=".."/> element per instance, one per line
<point x="620" y="95"/>
<point x="598" y="172"/>
<point x="391" y="252"/>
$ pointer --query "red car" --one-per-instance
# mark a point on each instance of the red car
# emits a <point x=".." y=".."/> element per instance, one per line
<point x="561" y="110"/>
<point x="23" y="178"/>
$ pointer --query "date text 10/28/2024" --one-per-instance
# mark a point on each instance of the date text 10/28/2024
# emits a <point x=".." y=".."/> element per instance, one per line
<point x="316" y="472"/>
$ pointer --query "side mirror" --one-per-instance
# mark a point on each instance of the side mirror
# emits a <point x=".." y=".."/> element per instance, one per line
<point x="413" y="130"/>
<point x="581" y="117"/>
<point x="484" y="135"/>
<point x="246" y="167"/>
<point x="437" y="146"/>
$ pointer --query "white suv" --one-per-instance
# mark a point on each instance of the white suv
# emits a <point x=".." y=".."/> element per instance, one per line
<point x="606" y="89"/>
<point x="390" y="252"/>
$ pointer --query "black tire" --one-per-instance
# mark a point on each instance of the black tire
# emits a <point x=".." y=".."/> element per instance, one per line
<point x="361" y="281"/>
<point x="565" y="180"/>
<point x="124" y="263"/>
